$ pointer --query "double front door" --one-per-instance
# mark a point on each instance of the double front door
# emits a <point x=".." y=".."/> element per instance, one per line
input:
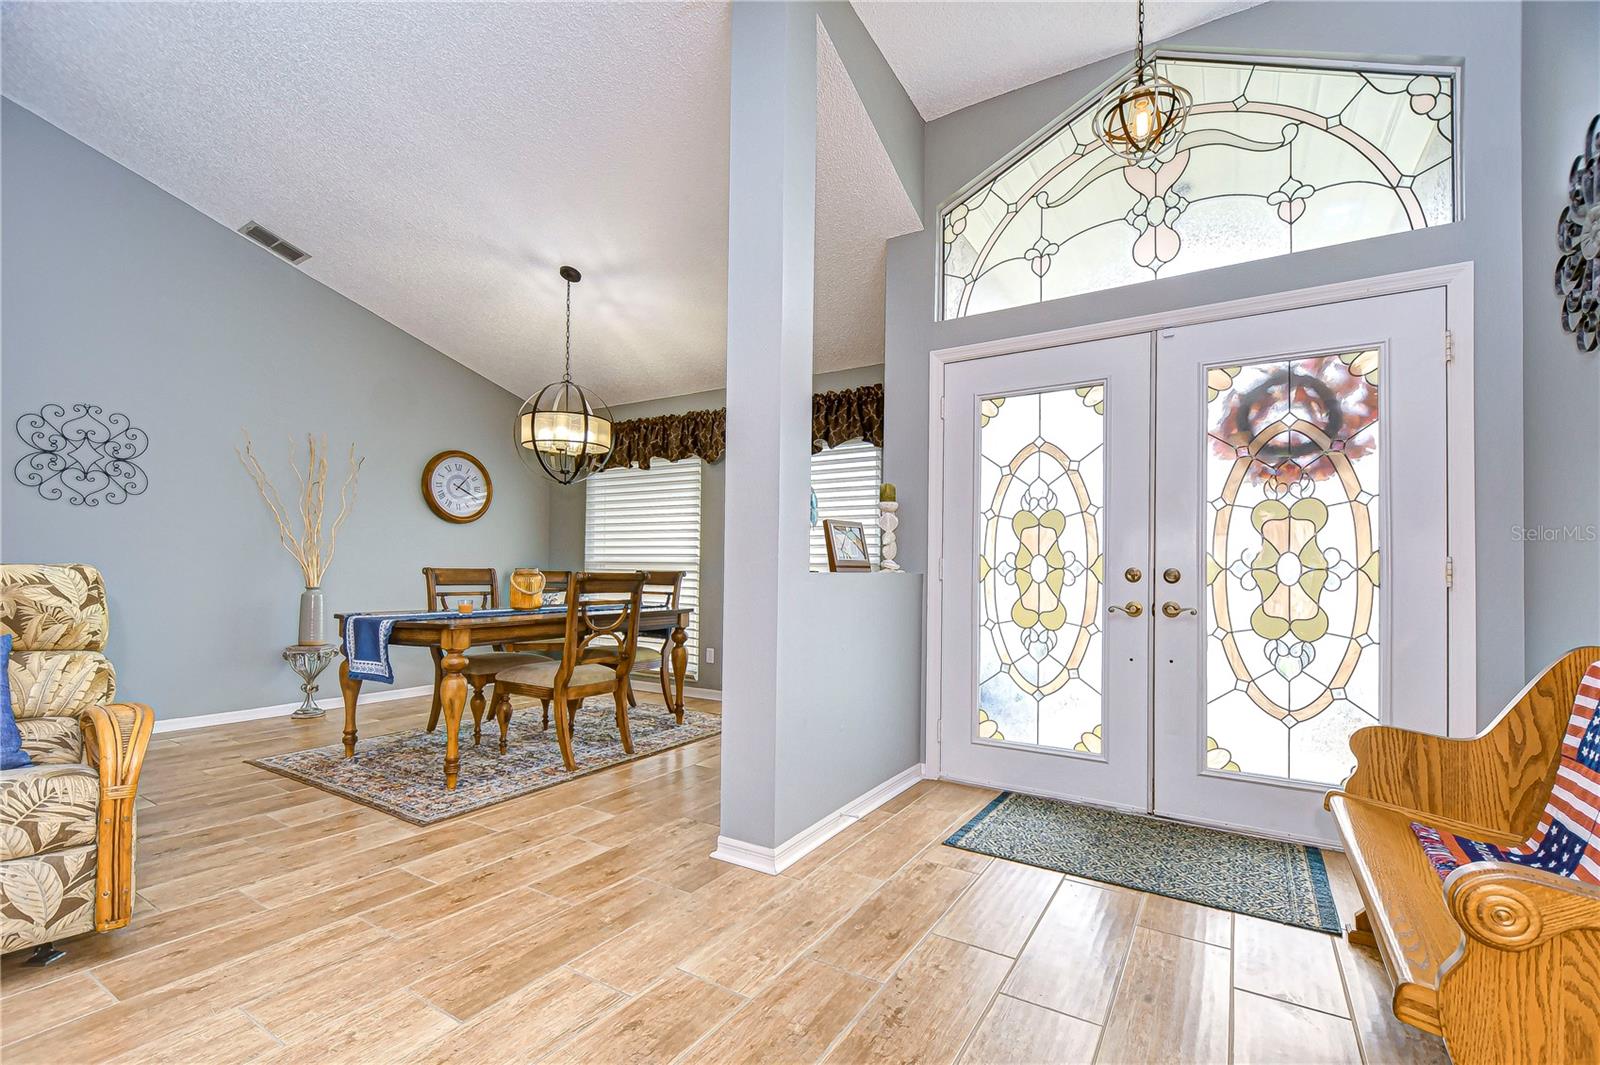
<point x="1182" y="567"/>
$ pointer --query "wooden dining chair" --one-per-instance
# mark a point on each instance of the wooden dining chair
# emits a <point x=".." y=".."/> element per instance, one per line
<point x="448" y="587"/>
<point x="662" y="589"/>
<point x="555" y="585"/>
<point x="555" y="592"/>
<point x="602" y="613"/>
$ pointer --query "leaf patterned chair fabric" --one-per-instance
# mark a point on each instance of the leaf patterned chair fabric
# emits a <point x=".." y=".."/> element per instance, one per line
<point x="66" y="822"/>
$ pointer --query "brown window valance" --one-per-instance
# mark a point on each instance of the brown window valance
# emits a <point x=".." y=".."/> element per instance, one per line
<point x="848" y="414"/>
<point x="670" y="436"/>
<point x="854" y="413"/>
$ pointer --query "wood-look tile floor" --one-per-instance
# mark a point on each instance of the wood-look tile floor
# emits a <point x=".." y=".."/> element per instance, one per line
<point x="587" y="923"/>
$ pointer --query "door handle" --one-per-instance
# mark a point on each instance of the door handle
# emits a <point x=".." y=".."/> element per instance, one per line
<point x="1172" y="610"/>
<point x="1133" y="608"/>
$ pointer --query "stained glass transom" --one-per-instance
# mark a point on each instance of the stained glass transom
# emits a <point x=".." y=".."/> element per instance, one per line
<point x="1040" y="567"/>
<point x="1272" y="160"/>
<point x="1292" y="563"/>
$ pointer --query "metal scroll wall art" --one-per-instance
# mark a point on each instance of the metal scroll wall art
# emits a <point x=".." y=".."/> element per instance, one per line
<point x="84" y="456"/>
<point x="1578" y="238"/>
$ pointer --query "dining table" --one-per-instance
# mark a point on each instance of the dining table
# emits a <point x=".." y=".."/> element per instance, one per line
<point x="455" y="636"/>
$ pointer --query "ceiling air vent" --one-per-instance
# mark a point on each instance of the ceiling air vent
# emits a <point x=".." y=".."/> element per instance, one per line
<point x="273" y="243"/>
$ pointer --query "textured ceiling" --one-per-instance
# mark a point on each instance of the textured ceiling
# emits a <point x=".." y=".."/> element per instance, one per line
<point x="439" y="161"/>
<point x="860" y="202"/>
<point x="952" y="55"/>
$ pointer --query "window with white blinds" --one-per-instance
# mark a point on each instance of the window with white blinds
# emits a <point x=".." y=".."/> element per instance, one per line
<point x="649" y="519"/>
<point x="846" y="480"/>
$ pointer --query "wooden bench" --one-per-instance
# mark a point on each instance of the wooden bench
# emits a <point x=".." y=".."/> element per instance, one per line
<point x="1501" y="960"/>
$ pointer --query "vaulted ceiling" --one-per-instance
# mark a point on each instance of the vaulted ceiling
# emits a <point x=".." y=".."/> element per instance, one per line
<point x="439" y="161"/>
<point x="952" y="55"/>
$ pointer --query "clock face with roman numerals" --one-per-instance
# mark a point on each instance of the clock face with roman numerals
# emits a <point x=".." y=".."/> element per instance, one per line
<point x="457" y="486"/>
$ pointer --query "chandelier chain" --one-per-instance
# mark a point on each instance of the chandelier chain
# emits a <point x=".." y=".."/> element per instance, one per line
<point x="567" y="373"/>
<point x="1139" y="53"/>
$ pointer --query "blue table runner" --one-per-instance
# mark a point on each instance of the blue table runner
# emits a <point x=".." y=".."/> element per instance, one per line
<point x="366" y="638"/>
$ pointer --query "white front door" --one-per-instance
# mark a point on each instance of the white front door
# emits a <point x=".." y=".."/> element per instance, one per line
<point x="1301" y="543"/>
<point x="1046" y="635"/>
<point x="1180" y="569"/>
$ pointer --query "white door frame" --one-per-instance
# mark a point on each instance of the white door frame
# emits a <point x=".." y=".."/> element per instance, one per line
<point x="1455" y="279"/>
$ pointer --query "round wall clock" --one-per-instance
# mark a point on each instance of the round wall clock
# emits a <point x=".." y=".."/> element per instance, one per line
<point x="457" y="486"/>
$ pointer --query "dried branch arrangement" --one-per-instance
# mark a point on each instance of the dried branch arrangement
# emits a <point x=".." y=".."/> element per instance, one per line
<point x="308" y="548"/>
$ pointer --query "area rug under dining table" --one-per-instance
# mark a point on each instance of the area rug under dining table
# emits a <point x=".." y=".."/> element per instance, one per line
<point x="399" y="773"/>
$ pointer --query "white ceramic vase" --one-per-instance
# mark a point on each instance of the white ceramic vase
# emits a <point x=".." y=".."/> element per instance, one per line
<point x="888" y="522"/>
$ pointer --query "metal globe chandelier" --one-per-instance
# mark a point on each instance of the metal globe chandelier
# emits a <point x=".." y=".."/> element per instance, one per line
<point x="1143" y="113"/>
<point x="563" y="430"/>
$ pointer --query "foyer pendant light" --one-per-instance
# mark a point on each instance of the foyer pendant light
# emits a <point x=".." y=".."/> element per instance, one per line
<point x="1143" y="113"/>
<point x="562" y="428"/>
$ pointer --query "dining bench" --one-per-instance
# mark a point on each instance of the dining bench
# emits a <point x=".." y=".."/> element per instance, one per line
<point x="1478" y="865"/>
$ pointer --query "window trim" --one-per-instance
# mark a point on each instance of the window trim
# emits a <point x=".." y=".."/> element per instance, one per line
<point x="1433" y="65"/>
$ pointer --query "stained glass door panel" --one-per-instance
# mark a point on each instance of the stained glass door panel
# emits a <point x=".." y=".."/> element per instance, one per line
<point x="1292" y="562"/>
<point x="1040" y="568"/>
<point x="1300" y="477"/>
<point x="1045" y="514"/>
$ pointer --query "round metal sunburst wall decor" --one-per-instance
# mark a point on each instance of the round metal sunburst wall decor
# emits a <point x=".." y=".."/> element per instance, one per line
<point x="1578" y="239"/>
<point x="84" y="456"/>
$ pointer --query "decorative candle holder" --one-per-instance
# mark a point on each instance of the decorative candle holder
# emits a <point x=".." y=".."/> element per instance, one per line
<point x="526" y="588"/>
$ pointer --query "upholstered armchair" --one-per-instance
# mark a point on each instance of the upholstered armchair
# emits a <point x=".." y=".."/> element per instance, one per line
<point x="67" y="821"/>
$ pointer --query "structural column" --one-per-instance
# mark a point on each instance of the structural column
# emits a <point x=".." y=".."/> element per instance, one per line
<point x="771" y="235"/>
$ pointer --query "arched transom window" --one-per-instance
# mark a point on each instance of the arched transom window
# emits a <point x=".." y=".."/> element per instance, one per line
<point x="1273" y="159"/>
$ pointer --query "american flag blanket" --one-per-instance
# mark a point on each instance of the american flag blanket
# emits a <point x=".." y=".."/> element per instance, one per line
<point x="1567" y="840"/>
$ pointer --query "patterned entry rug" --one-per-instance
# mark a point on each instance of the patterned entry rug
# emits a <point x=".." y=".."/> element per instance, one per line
<point x="403" y="773"/>
<point x="1283" y="882"/>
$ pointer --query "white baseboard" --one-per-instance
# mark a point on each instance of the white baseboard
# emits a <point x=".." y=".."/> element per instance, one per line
<point x="256" y="713"/>
<point x="774" y="860"/>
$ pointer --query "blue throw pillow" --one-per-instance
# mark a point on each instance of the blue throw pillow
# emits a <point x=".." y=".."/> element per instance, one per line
<point x="12" y="755"/>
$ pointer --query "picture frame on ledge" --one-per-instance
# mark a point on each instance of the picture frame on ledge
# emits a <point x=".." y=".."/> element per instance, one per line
<point x="847" y="546"/>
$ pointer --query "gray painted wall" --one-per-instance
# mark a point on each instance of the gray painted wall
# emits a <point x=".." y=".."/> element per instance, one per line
<point x="1487" y="38"/>
<point x="567" y="510"/>
<point x="855" y="665"/>
<point x="1561" y="385"/>
<point x="120" y="295"/>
